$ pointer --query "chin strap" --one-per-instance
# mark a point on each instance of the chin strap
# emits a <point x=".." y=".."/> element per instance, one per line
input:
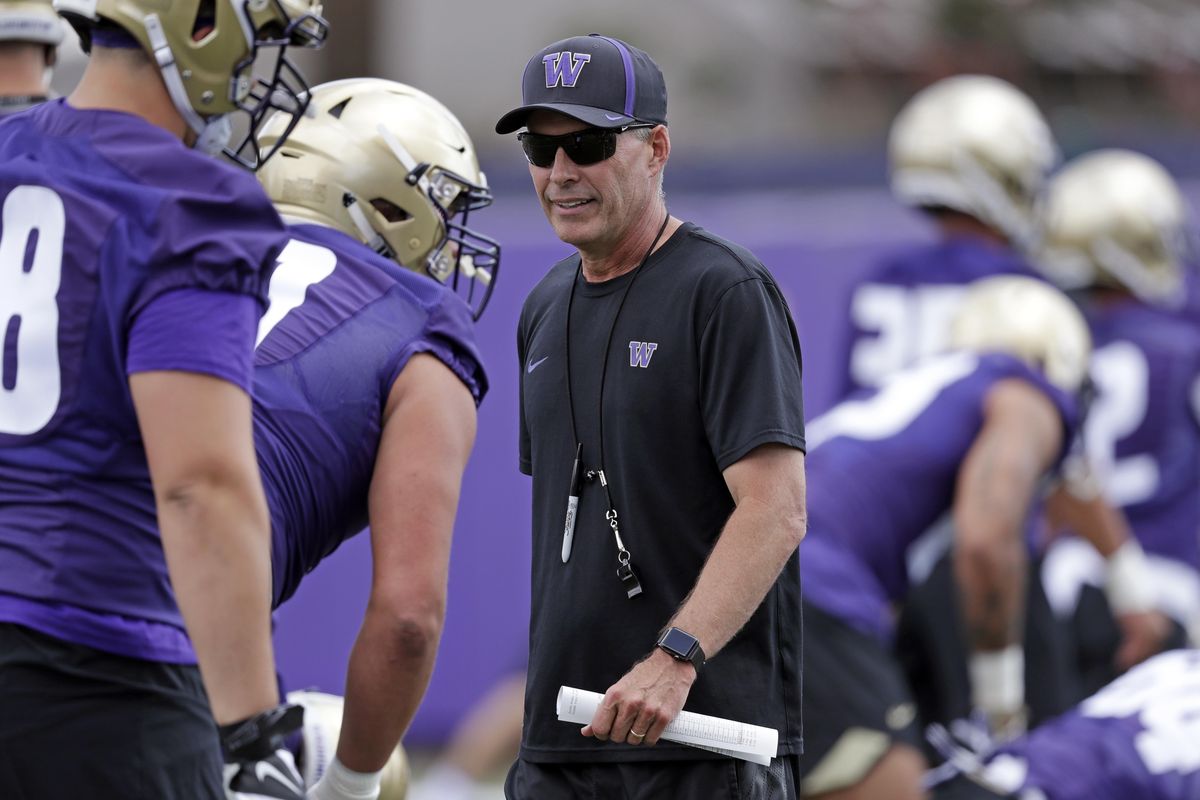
<point x="212" y="134"/>
<point x="415" y="176"/>
<point x="370" y="236"/>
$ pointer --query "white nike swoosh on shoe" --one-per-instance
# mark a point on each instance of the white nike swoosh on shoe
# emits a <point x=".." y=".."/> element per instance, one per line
<point x="262" y="769"/>
<point x="535" y="364"/>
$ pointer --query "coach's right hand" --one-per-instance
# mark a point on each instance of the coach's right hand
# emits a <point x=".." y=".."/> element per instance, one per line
<point x="639" y="707"/>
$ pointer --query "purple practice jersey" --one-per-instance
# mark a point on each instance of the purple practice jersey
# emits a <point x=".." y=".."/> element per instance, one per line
<point x="1136" y="739"/>
<point x="901" y="311"/>
<point x="342" y="324"/>
<point x="882" y="468"/>
<point x="103" y="214"/>
<point x="1143" y="429"/>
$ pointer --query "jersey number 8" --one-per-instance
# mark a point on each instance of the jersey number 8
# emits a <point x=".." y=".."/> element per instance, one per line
<point x="31" y="247"/>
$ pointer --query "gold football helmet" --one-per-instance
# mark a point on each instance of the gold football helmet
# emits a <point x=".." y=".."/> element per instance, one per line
<point x="977" y="145"/>
<point x="207" y="51"/>
<point x="1029" y="319"/>
<point x="30" y="21"/>
<point x="390" y="166"/>
<point x="1116" y="218"/>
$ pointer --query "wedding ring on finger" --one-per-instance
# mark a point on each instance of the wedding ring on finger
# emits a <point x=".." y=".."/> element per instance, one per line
<point x="637" y="735"/>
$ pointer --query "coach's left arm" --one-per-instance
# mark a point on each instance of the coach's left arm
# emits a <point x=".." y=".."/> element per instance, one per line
<point x="759" y="538"/>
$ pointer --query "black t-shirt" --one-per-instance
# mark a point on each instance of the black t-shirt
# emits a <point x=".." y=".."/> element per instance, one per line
<point x="704" y="366"/>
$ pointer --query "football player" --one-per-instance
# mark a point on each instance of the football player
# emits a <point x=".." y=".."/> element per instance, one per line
<point x="970" y="433"/>
<point x="30" y="32"/>
<point x="1114" y="232"/>
<point x="134" y="537"/>
<point x="1133" y="740"/>
<point x="971" y="152"/>
<point x="367" y="378"/>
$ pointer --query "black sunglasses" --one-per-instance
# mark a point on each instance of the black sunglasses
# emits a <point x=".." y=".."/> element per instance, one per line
<point x="588" y="146"/>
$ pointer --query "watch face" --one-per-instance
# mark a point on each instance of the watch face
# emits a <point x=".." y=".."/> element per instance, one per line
<point x="679" y="642"/>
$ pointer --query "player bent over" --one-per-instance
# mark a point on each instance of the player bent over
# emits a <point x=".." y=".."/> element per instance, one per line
<point x="367" y="378"/>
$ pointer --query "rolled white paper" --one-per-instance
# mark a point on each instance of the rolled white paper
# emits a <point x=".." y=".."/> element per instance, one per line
<point x="725" y="736"/>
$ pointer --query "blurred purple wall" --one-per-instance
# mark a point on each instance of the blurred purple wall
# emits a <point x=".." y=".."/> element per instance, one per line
<point x="813" y="242"/>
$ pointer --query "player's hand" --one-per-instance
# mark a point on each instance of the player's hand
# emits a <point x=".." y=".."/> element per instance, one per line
<point x="644" y="701"/>
<point x="1143" y="634"/>
<point x="340" y="783"/>
<point x="257" y="764"/>
<point x="1005" y="727"/>
<point x="272" y="778"/>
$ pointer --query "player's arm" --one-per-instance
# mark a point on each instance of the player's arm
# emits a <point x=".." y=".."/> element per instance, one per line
<point x="215" y="531"/>
<point x="1018" y="442"/>
<point x="760" y="536"/>
<point x="428" y="432"/>
<point x="1076" y="504"/>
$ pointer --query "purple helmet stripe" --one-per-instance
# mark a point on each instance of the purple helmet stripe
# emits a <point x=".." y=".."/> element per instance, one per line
<point x="627" y="60"/>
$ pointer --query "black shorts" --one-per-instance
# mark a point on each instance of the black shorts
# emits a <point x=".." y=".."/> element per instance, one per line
<point x="856" y="703"/>
<point x="719" y="779"/>
<point x="932" y="647"/>
<point x="77" y="722"/>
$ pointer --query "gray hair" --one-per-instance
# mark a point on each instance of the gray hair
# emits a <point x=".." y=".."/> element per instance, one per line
<point x="643" y="135"/>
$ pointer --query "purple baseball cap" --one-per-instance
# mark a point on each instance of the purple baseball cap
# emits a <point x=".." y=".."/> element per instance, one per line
<point x="595" y="79"/>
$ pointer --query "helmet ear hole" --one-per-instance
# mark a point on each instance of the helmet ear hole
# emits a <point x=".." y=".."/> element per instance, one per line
<point x="390" y="211"/>
<point x="206" y="19"/>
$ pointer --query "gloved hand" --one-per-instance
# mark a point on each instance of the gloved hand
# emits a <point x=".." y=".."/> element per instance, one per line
<point x="258" y="766"/>
<point x="965" y="746"/>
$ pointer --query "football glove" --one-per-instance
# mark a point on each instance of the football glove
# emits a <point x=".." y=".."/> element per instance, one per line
<point x="258" y="765"/>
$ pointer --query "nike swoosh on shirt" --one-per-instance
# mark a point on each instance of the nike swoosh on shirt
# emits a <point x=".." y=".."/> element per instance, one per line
<point x="535" y="364"/>
<point x="263" y="769"/>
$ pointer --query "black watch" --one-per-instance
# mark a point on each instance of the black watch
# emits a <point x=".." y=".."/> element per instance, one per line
<point x="682" y="646"/>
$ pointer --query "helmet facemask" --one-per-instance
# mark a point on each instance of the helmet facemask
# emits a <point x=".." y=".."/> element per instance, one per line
<point x="285" y="91"/>
<point x="465" y="260"/>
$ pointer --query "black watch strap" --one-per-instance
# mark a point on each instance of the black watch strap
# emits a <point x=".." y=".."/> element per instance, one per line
<point x="682" y="646"/>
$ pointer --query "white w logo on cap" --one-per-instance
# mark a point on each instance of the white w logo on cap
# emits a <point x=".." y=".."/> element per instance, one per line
<point x="564" y="68"/>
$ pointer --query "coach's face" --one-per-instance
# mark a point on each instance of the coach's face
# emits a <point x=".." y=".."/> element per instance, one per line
<point x="593" y="207"/>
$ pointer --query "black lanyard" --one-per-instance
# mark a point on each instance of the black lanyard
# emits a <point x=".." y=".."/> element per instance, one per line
<point x="625" y="572"/>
